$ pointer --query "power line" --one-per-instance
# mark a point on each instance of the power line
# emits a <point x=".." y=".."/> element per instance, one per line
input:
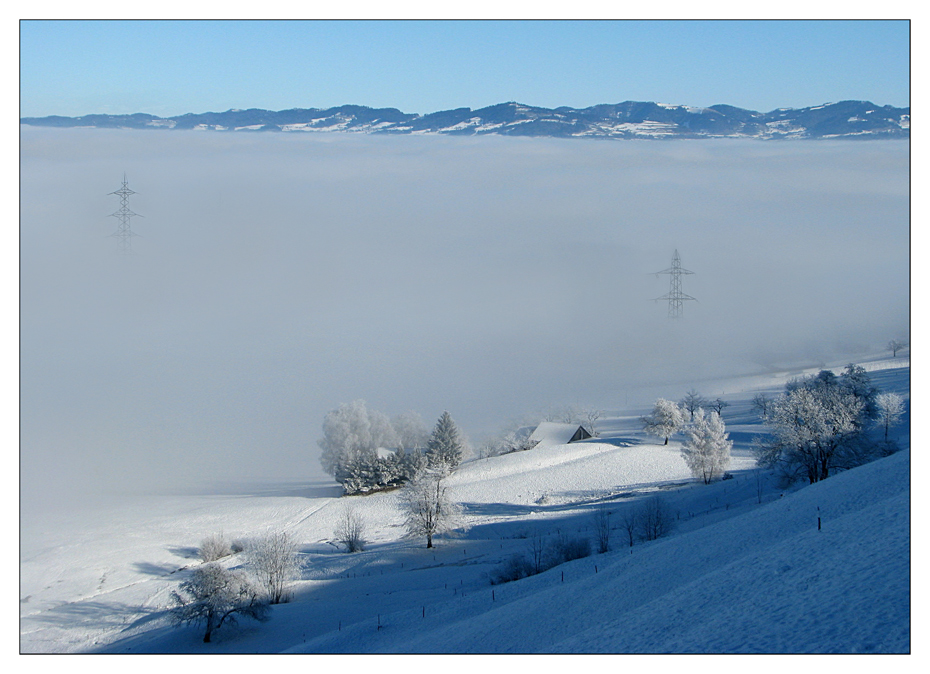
<point x="123" y="232"/>
<point x="675" y="296"/>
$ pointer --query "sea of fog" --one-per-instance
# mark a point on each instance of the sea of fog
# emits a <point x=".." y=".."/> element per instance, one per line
<point x="276" y="276"/>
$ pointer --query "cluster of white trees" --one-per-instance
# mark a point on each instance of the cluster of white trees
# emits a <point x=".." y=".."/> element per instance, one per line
<point x="706" y="450"/>
<point x="354" y="434"/>
<point x="820" y="424"/>
<point x="215" y="595"/>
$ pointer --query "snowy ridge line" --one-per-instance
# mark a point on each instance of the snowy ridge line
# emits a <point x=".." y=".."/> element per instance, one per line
<point x="630" y="119"/>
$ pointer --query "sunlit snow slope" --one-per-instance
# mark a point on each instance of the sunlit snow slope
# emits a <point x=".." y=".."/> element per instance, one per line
<point x="745" y="568"/>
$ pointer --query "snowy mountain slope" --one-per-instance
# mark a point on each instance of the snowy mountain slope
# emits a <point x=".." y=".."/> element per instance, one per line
<point x="630" y="119"/>
<point x="766" y="581"/>
<point x="100" y="580"/>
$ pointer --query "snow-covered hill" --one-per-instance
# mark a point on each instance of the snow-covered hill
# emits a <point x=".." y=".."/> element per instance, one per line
<point x="745" y="569"/>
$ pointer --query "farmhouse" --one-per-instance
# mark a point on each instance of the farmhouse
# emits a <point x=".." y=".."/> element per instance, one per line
<point x="550" y="433"/>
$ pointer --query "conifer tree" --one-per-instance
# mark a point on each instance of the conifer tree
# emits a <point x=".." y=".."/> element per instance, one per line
<point x="445" y="447"/>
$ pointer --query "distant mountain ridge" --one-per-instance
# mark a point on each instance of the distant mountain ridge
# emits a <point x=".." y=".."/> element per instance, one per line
<point x="631" y="119"/>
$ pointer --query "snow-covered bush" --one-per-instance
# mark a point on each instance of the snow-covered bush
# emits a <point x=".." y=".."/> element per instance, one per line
<point x="215" y="596"/>
<point x="707" y="449"/>
<point x="214" y="547"/>
<point x="666" y="419"/>
<point x="350" y="530"/>
<point x="515" y="568"/>
<point x="273" y="560"/>
<point x="542" y="557"/>
<point x="564" y="549"/>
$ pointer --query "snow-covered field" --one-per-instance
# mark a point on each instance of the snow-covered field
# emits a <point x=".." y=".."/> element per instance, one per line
<point x="744" y="570"/>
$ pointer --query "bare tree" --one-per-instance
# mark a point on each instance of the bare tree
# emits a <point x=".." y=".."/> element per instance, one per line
<point x="592" y="415"/>
<point x="654" y="520"/>
<point x="692" y="401"/>
<point x="762" y="404"/>
<point x="428" y="509"/>
<point x="629" y="522"/>
<point x="718" y="405"/>
<point x="273" y="560"/>
<point x="537" y="552"/>
<point x="215" y="596"/>
<point x="894" y="346"/>
<point x="350" y="530"/>
<point x="602" y="528"/>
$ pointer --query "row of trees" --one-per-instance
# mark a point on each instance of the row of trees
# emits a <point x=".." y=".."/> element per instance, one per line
<point x="353" y="436"/>
<point x="820" y="425"/>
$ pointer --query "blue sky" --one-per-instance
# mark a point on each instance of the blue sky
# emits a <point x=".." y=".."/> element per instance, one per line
<point x="172" y="67"/>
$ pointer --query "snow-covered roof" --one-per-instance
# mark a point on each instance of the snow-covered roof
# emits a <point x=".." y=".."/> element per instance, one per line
<point x="550" y="433"/>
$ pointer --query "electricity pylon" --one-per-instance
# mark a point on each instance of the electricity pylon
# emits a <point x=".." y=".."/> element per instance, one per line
<point x="123" y="232"/>
<point x="675" y="296"/>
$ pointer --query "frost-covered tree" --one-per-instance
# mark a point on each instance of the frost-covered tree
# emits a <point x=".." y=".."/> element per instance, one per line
<point x="691" y="402"/>
<point x="445" y="446"/>
<point x="215" y="596"/>
<point x="857" y="381"/>
<point x="707" y="449"/>
<point x="411" y="431"/>
<point x="352" y="434"/>
<point x="350" y="530"/>
<point x="346" y="437"/>
<point x="816" y="430"/>
<point x="427" y="508"/>
<point x="273" y="561"/>
<point x="890" y="408"/>
<point x="666" y="419"/>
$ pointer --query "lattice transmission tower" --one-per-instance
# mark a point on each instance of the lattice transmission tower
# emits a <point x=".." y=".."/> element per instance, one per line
<point x="675" y="296"/>
<point x="123" y="232"/>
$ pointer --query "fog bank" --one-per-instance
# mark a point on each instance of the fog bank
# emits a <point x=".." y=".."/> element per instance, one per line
<point x="277" y="276"/>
